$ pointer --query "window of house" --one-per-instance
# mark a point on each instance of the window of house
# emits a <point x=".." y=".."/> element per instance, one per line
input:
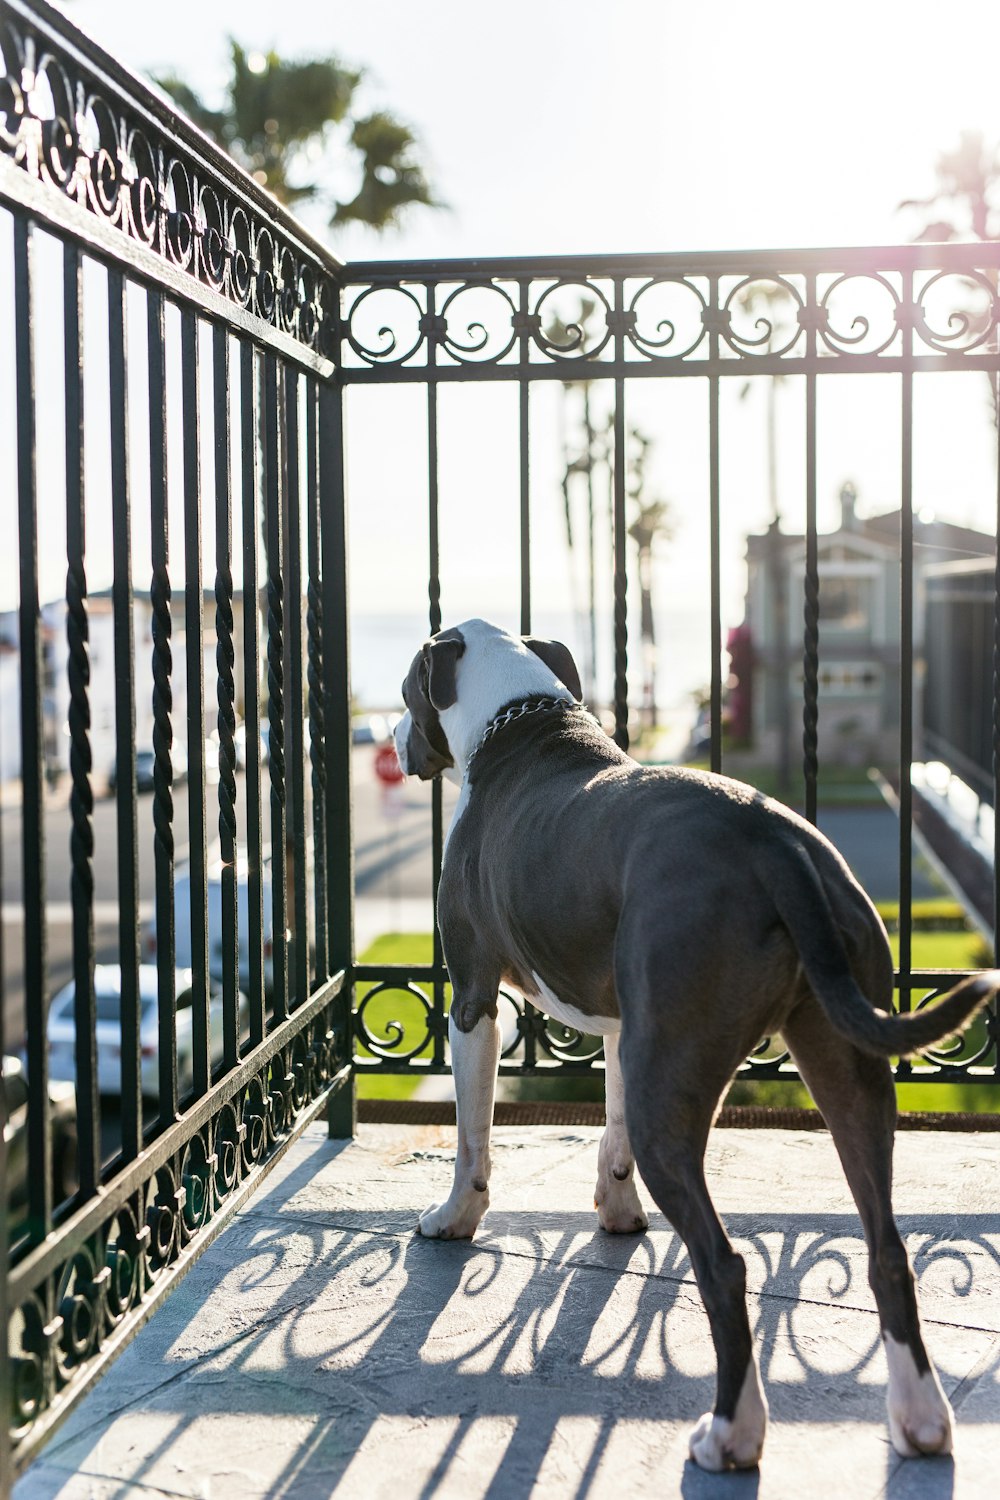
<point x="846" y="605"/>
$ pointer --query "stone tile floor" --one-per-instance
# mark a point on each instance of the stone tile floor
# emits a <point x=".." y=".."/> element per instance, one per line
<point x="320" y="1348"/>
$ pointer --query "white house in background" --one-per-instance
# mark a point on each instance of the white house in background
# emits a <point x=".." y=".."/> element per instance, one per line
<point x="55" y="657"/>
<point x="859" y="630"/>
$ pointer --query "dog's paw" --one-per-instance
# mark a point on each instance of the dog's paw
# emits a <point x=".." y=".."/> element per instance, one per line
<point x="619" y="1210"/>
<point x="719" y="1443"/>
<point x="457" y="1219"/>
<point x="920" y="1416"/>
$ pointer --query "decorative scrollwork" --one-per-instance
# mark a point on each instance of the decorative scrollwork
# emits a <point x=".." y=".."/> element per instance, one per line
<point x="118" y="155"/>
<point x="834" y="308"/>
<point x="774" y="304"/>
<point x="79" y="1309"/>
<point x="963" y="302"/>
<point x="372" y="318"/>
<point x="873" y="306"/>
<point x="563" y="331"/>
<point x="969" y="1048"/>
<point x="667" y="317"/>
<point x="486" y="312"/>
<point x="401" y="1033"/>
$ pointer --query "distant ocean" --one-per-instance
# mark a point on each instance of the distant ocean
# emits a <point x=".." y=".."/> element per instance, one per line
<point x="382" y="647"/>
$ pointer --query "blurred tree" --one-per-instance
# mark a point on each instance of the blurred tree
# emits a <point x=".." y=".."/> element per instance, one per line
<point x="967" y="193"/>
<point x="292" y="126"/>
<point x="593" y="449"/>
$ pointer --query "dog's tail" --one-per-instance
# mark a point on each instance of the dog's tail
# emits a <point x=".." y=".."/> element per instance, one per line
<point x="804" y="907"/>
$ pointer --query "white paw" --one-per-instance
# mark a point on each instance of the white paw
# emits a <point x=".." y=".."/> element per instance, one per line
<point x="719" y="1443"/>
<point x="457" y="1219"/>
<point x="618" y="1208"/>
<point x="920" y="1416"/>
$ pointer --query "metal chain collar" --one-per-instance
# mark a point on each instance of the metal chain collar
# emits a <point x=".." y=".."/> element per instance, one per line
<point x="519" y="711"/>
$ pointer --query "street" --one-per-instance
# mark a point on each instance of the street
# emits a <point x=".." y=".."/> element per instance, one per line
<point x="392" y="834"/>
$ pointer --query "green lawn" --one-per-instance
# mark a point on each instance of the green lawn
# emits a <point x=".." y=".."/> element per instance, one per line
<point x="931" y="950"/>
<point x="394" y="1005"/>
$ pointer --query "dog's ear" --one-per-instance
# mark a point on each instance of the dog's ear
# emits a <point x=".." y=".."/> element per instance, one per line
<point x="559" y="659"/>
<point x="441" y="655"/>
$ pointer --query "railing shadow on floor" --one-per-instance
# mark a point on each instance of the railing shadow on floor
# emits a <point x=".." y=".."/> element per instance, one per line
<point x="342" y="1329"/>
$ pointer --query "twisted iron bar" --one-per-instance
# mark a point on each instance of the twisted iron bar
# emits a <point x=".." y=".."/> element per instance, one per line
<point x="276" y="678"/>
<point x="80" y="755"/>
<point x="163" y="703"/>
<point x="810" y="670"/>
<point x="317" y="699"/>
<point x="225" y="659"/>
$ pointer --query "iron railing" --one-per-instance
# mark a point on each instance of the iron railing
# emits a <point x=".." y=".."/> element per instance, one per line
<point x="123" y="220"/>
<point x="125" y="223"/>
<point x="902" y="311"/>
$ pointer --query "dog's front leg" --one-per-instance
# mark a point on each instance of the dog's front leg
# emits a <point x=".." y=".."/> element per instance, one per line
<point x="615" y="1198"/>
<point x="475" y="1055"/>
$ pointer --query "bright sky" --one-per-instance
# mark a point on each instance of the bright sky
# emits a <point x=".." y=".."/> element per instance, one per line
<point x="579" y="125"/>
<point x="641" y="125"/>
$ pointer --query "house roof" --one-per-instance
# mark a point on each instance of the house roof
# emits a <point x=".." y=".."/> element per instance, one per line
<point x="937" y="541"/>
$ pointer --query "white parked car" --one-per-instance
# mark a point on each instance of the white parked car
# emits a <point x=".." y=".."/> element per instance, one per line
<point x="182" y="920"/>
<point x="108" y="995"/>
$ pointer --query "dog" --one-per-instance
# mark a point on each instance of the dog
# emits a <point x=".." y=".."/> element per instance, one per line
<point x="682" y="916"/>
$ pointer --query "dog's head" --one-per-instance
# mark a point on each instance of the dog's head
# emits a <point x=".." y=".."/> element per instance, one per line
<point x="460" y="679"/>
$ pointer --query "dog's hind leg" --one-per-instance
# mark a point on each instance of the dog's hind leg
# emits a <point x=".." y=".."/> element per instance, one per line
<point x="615" y="1198"/>
<point x="856" y="1095"/>
<point x="669" y="1119"/>
<point x="475" y="1055"/>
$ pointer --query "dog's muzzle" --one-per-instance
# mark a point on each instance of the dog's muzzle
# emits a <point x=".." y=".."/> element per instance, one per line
<point x="415" y="753"/>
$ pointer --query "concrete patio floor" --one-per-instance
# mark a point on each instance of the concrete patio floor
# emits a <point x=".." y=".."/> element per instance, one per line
<point x="320" y="1348"/>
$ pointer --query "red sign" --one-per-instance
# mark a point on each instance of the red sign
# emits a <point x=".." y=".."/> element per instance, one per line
<point x="387" y="767"/>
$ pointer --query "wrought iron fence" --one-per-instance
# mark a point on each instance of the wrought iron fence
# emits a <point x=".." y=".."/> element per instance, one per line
<point x="178" y="312"/>
<point x="898" y="311"/>
<point x="126" y="230"/>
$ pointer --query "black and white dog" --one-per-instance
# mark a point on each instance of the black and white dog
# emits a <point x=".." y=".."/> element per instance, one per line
<point x="683" y="916"/>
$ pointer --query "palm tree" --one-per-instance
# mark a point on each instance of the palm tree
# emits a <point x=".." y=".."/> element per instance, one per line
<point x="968" y="195"/>
<point x="967" y="192"/>
<point x="292" y="126"/>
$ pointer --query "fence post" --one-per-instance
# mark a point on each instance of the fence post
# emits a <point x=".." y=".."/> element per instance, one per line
<point x="342" y="1112"/>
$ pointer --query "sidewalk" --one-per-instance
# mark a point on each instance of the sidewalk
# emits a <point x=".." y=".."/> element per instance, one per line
<point x="320" y="1348"/>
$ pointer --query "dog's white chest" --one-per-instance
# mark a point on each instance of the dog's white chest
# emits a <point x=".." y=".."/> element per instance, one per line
<point x="569" y="1015"/>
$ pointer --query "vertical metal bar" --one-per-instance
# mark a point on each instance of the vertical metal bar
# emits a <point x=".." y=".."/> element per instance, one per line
<point x="6" y="1374"/>
<point x="163" y="703"/>
<point x="906" y="668"/>
<point x="996" y="712"/>
<point x="715" y="539"/>
<point x="225" y="659"/>
<point x="275" y="686"/>
<point x="125" y="788"/>
<point x="293" y="616"/>
<point x="81" y="801"/>
<point x="317" y="711"/>
<point x="250" y="457"/>
<point x="524" y="406"/>
<point x="434" y="601"/>
<point x="337" y="706"/>
<point x="810" y="646"/>
<point x="32" y="780"/>
<point x="194" y="631"/>
<point x="336" y="679"/>
<point x="620" y="534"/>
<point x="6" y="1378"/>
